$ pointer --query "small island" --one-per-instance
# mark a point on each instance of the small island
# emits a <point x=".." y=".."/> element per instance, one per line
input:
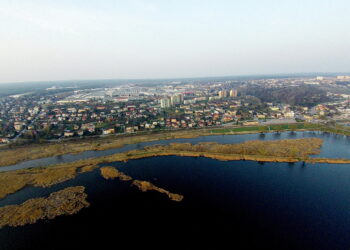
<point x="144" y="186"/>
<point x="64" y="202"/>
<point x="112" y="173"/>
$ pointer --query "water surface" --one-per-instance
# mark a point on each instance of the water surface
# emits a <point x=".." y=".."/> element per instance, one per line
<point x="242" y="203"/>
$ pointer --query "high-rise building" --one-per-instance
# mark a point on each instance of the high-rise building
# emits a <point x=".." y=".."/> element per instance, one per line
<point x="222" y="93"/>
<point x="176" y="99"/>
<point x="233" y="93"/>
<point x="343" y="77"/>
<point x="165" y="103"/>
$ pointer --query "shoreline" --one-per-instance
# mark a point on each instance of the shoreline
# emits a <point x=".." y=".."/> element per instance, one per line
<point x="13" y="181"/>
<point x="10" y="157"/>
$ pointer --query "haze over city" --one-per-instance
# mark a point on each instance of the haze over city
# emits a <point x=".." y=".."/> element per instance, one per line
<point x="63" y="40"/>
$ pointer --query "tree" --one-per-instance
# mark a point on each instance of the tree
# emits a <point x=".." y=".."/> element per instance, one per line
<point x="292" y="128"/>
<point x="278" y="128"/>
<point x="262" y="129"/>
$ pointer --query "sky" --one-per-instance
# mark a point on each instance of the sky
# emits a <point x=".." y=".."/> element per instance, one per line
<point x="43" y="40"/>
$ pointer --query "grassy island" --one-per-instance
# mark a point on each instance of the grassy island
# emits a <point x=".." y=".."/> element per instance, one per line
<point x="12" y="181"/>
<point x="144" y="186"/>
<point x="64" y="202"/>
<point x="297" y="148"/>
<point x="112" y="173"/>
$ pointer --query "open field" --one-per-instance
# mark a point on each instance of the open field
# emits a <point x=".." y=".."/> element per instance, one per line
<point x="268" y="128"/>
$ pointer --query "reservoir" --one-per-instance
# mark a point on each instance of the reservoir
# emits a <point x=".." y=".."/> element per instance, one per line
<point x="244" y="203"/>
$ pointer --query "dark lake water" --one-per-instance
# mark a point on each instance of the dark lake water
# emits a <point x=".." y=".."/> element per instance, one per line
<point x="243" y="203"/>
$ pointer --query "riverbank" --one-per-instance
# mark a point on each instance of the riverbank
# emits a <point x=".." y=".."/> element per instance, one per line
<point x="290" y="151"/>
<point x="19" y="154"/>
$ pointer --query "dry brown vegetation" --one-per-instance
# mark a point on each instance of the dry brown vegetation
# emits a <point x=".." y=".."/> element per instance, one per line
<point x="87" y="168"/>
<point x="112" y="173"/>
<point x="297" y="148"/>
<point x="36" y="151"/>
<point x="31" y="152"/>
<point x="13" y="181"/>
<point x="64" y="202"/>
<point x="328" y="160"/>
<point x="71" y="201"/>
<point x="276" y="151"/>
<point x="145" y="186"/>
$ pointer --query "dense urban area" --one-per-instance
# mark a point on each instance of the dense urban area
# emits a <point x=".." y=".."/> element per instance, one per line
<point x="60" y="112"/>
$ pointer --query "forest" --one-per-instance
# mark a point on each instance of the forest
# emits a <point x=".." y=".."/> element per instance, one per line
<point x="308" y="96"/>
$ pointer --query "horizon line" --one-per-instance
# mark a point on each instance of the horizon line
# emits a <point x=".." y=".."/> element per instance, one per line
<point x="298" y="74"/>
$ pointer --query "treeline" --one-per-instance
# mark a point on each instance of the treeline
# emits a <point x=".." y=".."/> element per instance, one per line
<point x="297" y="95"/>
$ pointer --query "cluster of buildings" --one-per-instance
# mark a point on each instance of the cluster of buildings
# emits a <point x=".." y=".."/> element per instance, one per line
<point x="174" y="105"/>
<point x="168" y="102"/>
<point x="225" y="93"/>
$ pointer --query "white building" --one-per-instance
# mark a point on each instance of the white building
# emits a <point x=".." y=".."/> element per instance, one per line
<point x="233" y="93"/>
<point x="165" y="103"/>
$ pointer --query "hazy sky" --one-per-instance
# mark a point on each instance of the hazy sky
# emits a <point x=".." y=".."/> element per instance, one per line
<point x="100" y="39"/>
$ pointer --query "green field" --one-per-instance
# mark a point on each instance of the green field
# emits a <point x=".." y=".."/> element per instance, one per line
<point x="277" y="127"/>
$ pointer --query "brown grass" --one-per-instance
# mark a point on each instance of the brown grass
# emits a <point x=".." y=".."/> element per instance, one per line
<point x="87" y="168"/>
<point x="64" y="202"/>
<point x="279" y="148"/>
<point x="12" y="181"/>
<point x="277" y="151"/>
<point x="145" y="186"/>
<point x="112" y="173"/>
<point x="36" y="151"/>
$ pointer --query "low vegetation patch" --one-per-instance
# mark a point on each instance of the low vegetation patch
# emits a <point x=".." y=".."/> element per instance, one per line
<point x="18" y="154"/>
<point x="292" y="150"/>
<point x="145" y="186"/>
<point x="112" y="173"/>
<point x="64" y="202"/>
<point x="299" y="148"/>
<point x="12" y="181"/>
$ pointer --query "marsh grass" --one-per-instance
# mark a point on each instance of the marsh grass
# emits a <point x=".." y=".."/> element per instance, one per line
<point x="64" y="202"/>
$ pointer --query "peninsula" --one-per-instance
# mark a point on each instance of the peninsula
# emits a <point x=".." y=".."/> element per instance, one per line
<point x="144" y="186"/>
